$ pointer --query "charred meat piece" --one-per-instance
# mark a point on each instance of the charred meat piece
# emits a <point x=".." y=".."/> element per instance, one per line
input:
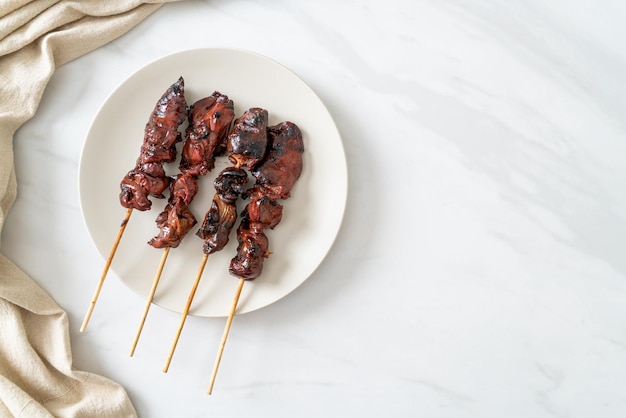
<point x="176" y="219"/>
<point x="152" y="169"/>
<point x="282" y="166"/>
<point x="174" y="223"/>
<point x="133" y="195"/>
<point x="264" y="213"/>
<point x="251" y="252"/>
<point x="185" y="187"/>
<point x="137" y="185"/>
<point x="248" y="141"/>
<point x="210" y="119"/>
<point x="221" y="217"/>
<point x="217" y="224"/>
<point x="168" y="114"/>
<point x="159" y="146"/>
<point x="230" y="184"/>
<point x="153" y="185"/>
<point x="151" y="153"/>
<point x="197" y="158"/>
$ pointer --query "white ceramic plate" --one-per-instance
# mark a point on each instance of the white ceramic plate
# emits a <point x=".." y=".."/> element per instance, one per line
<point x="311" y="217"/>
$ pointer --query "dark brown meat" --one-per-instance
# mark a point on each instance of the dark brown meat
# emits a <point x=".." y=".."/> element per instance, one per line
<point x="248" y="141"/>
<point x="151" y="153"/>
<point x="159" y="146"/>
<point x="133" y="195"/>
<point x="152" y="169"/>
<point x="264" y="213"/>
<point x="174" y="223"/>
<point x="168" y="114"/>
<point x="282" y="166"/>
<point x="185" y="187"/>
<point x="221" y="217"/>
<point x="251" y="252"/>
<point x="137" y="185"/>
<point x="230" y="184"/>
<point x="218" y="222"/>
<point x="176" y="219"/>
<point x="275" y="176"/>
<point x="209" y="121"/>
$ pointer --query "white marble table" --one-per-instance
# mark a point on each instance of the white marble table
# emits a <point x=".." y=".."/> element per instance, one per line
<point x="480" y="270"/>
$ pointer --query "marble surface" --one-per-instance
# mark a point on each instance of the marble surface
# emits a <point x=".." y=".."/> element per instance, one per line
<point x="480" y="268"/>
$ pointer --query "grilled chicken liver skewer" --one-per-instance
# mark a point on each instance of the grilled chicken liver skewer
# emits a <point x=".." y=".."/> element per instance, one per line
<point x="148" y="177"/>
<point x="275" y="176"/>
<point x="161" y="134"/>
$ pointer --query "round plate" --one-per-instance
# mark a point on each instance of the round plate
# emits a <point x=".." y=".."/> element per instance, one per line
<point x="311" y="217"/>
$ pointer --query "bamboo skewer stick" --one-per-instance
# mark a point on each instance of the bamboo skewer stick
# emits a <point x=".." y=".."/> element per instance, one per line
<point x="185" y="312"/>
<point x="94" y="299"/>
<point x="150" y="298"/>
<point x="229" y="321"/>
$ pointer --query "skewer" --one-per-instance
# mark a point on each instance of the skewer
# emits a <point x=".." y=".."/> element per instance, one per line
<point x="229" y="321"/>
<point x="185" y="312"/>
<point x="149" y="300"/>
<point x="94" y="299"/>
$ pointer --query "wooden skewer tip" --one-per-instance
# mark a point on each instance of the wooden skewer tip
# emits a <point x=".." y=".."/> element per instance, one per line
<point x="105" y="270"/>
<point x="229" y="321"/>
<point x="185" y="312"/>
<point x="149" y="300"/>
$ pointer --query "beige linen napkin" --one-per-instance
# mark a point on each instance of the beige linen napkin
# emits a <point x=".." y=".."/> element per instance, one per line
<point x="36" y="374"/>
